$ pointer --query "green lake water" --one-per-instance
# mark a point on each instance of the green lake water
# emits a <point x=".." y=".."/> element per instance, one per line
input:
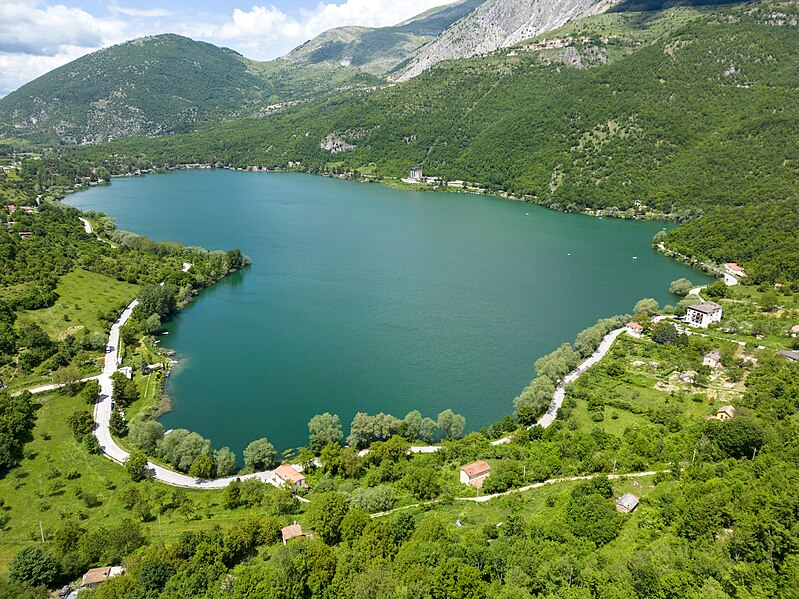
<point x="364" y="298"/>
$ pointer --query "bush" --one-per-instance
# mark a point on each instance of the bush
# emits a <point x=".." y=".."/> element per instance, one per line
<point x="33" y="566"/>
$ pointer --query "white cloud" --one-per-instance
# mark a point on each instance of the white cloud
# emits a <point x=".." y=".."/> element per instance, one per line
<point x="36" y="37"/>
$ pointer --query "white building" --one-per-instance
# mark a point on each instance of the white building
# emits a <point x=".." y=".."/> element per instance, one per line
<point x="415" y="174"/>
<point x="634" y="329"/>
<point x="474" y="474"/>
<point x="703" y="315"/>
<point x="713" y="359"/>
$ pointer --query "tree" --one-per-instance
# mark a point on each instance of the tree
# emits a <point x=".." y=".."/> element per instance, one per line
<point x="68" y="377"/>
<point x="181" y="447"/>
<point x="534" y="400"/>
<point x="91" y="391"/>
<point x="422" y="481"/>
<point x="769" y="301"/>
<point x="154" y="575"/>
<point x="455" y="579"/>
<point x="362" y="430"/>
<point x="81" y="423"/>
<point x="225" y="462"/>
<point x="136" y="466"/>
<point x="147" y="434"/>
<point x="353" y="524"/>
<point x="716" y="290"/>
<point x="681" y="287"/>
<point x="259" y="455"/>
<point x="426" y="430"/>
<point x="664" y="333"/>
<point x="117" y="424"/>
<point x="33" y="566"/>
<point x="411" y="427"/>
<point x="325" y="515"/>
<point x="647" y="306"/>
<point x="739" y="437"/>
<point x="157" y="299"/>
<point x="92" y="445"/>
<point x="324" y="428"/>
<point x="202" y="467"/>
<point x="451" y="424"/>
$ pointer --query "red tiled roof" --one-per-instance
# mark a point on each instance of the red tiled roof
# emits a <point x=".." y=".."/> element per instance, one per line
<point x="476" y="469"/>
<point x="291" y="531"/>
<point x="287" y="473"/>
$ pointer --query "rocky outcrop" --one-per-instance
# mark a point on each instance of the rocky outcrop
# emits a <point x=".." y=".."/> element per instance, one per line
<point x="497" y="24"/>
<point x="335" y="145"/>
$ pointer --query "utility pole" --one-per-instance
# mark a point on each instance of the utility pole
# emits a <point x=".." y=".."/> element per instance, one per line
<point x="41" y="529"/>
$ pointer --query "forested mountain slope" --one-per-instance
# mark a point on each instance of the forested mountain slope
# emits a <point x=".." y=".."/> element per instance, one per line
<point x="705" y="115"/>
<point x="148" y="86"/>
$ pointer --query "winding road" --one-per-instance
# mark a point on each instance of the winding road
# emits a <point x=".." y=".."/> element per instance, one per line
<point x="102" y="417"/>
<point x="560" y="390"/>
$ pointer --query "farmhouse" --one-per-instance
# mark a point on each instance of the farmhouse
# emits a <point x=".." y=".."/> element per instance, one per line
<point x="96" y="576"/>
<point x="290" y="476"/>
<point x="736" y="270"/>
<point x="704" y="314"/>
<point x="634" y="329"/>
<point x="713" y="359"/>
<point x="723" y="413"/>
<point x="474" y="474"/>
<point x="627" y="503"/>
<point x="292" y="532"/>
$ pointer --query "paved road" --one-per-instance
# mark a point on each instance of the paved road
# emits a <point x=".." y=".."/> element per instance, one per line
<point x="553" y="481"/>
<point x="88" y="227"/>
<point x="560" y="390"/>
<point x="102" y="416"/>
<point x="54" y="386"/>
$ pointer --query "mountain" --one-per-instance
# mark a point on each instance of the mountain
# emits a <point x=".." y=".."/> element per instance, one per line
<point x="148" y="86"/>
<point x="378" y="50"/>
<point x="497" y="24"/>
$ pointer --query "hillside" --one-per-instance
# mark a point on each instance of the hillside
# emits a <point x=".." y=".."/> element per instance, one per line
<point x="497" y="24"/>
<point x="378" y="50"/>
<point x="148" y="86"/>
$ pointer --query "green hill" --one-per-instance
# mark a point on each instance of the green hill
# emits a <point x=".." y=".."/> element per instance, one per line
<point x="148" y="86"/>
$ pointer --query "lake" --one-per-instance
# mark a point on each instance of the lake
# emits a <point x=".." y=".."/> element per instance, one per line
<point x="365" y="298"/>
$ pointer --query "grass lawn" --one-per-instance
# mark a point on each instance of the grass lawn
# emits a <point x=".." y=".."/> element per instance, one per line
<point x="40" y="490"/>
<point x="82" y="295"/>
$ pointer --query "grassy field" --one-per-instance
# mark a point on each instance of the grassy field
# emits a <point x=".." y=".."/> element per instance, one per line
<point x="45" y="489"/>
<point x="648" y="382"/>
<point x="82" y="294"/>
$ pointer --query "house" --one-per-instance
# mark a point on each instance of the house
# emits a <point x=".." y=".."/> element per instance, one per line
<point x="791" y="356"/>
<point x="96" y="576"/>
<point x="127" y="372"/>
<point x="290" y="476"/>
<point x="733" y="269"/>
<point x="634" y="329"/>
<point x="25" y="234"/>
<point x="627" y="503"/>
<point x="11" y="208"/>
<point x="28" y="209"/>
<point x="292" y="532"/>
<point x="687" y="377"/>
<point x="795" y="330"/>
<point x="723" y="413"/>
<point x="704" y="314"/>
<point x="415" y="174"/>
<point x="474" y="474"/>
<point x="713" y="359"/>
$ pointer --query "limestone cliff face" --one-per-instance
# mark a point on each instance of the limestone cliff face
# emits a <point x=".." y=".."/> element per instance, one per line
<point x="497" y="24"/>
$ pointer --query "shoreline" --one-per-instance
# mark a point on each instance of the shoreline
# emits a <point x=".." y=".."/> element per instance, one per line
<point x="162" y="407"/>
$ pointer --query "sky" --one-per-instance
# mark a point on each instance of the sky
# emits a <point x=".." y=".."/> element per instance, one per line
<point x="38" y="36"/>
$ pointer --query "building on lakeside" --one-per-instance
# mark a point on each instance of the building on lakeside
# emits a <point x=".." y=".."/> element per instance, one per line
<point x="290" y="476"/>
<point x="733" y="269"/>
<point x="634" y="329"/>
<point x="627" y="503"/>
<point x="474" y="474"/>
<point x="723" y="413"/>
<point x="415" y="174"/>
<point x="703" y="315"/>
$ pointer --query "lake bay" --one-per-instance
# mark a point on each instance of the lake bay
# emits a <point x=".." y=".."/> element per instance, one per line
<point x="365" y="298"/>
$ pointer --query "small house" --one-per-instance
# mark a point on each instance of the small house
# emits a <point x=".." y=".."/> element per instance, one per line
<point x="634" y="329"/>
<point x="713" y="359"/>
<point x="292" y="532"/>
<point x="733" y="269"/>
<point x="11" y="208"/>
<point x="290" y="476"/>
<point x="127" y="372"/>
<point x="723" y="413"/>
<point x="415" y="174"/>
<point x="795" y="330"/>
<point x="25" y="234"/>
<point x="627" y="503"/>
<point x="474" y="474"/>
<point x="791" y="356"/>
<point x="704" y="314"/>
<point x="97" y="576"/>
